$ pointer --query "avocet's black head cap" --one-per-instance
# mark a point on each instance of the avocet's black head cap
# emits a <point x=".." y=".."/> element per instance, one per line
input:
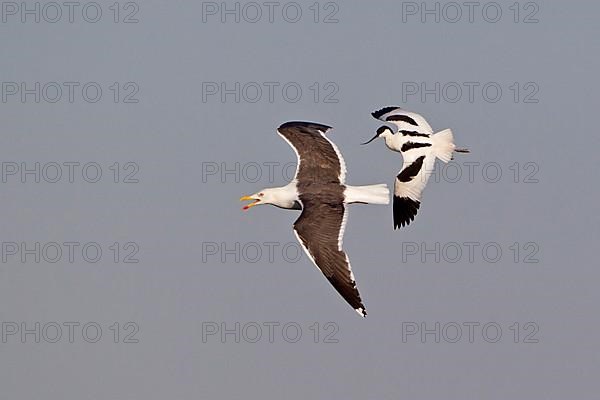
<point x="380" y="131"/>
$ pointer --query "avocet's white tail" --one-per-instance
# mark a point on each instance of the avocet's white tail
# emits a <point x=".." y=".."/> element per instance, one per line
<point x="370" y="194"/>
<point x="443" y="145"/>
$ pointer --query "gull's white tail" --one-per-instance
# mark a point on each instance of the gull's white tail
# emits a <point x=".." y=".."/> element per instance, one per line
<point x="370" y="194"/>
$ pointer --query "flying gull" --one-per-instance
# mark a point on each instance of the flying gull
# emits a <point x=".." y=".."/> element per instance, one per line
<point x="319" y="190"/>
<point x="419" y="147"/>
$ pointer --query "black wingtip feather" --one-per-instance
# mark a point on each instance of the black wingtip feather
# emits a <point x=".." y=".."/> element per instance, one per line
<point x="305" y="125"/>
<point x="349" y="293"/>
<point x="405" y="210"/>
<point x="377" y="114"/>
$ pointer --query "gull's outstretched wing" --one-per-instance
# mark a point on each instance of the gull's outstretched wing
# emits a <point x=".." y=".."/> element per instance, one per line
<point x="319" y="159"/>
<point x="319" y="230"/>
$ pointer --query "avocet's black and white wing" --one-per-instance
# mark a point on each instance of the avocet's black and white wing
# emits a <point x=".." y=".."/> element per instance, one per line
<point x="410" y="182"/>
<point x="404" y="120"/>
<point x="320" y="187"/>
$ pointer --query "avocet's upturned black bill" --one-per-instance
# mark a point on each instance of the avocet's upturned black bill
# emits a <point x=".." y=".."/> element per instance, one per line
<point x="419" y="147"/>
<point x="380" y="131"/>
<point x="319" y="190"/>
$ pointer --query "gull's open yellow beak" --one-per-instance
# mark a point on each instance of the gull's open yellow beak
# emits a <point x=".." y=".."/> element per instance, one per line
<point x="249" y="198"/>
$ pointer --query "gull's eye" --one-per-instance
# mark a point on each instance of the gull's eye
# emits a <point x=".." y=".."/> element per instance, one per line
<point x="261" y="194"/>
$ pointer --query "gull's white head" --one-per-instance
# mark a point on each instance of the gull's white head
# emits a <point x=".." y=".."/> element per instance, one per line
<point x="382" y="131"/>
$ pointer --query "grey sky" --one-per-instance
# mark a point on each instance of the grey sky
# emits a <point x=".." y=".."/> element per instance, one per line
<point x="178" y="209"/>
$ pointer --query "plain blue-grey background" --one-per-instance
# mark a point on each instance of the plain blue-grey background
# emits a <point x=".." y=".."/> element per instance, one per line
<point x="173" y="135"/>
